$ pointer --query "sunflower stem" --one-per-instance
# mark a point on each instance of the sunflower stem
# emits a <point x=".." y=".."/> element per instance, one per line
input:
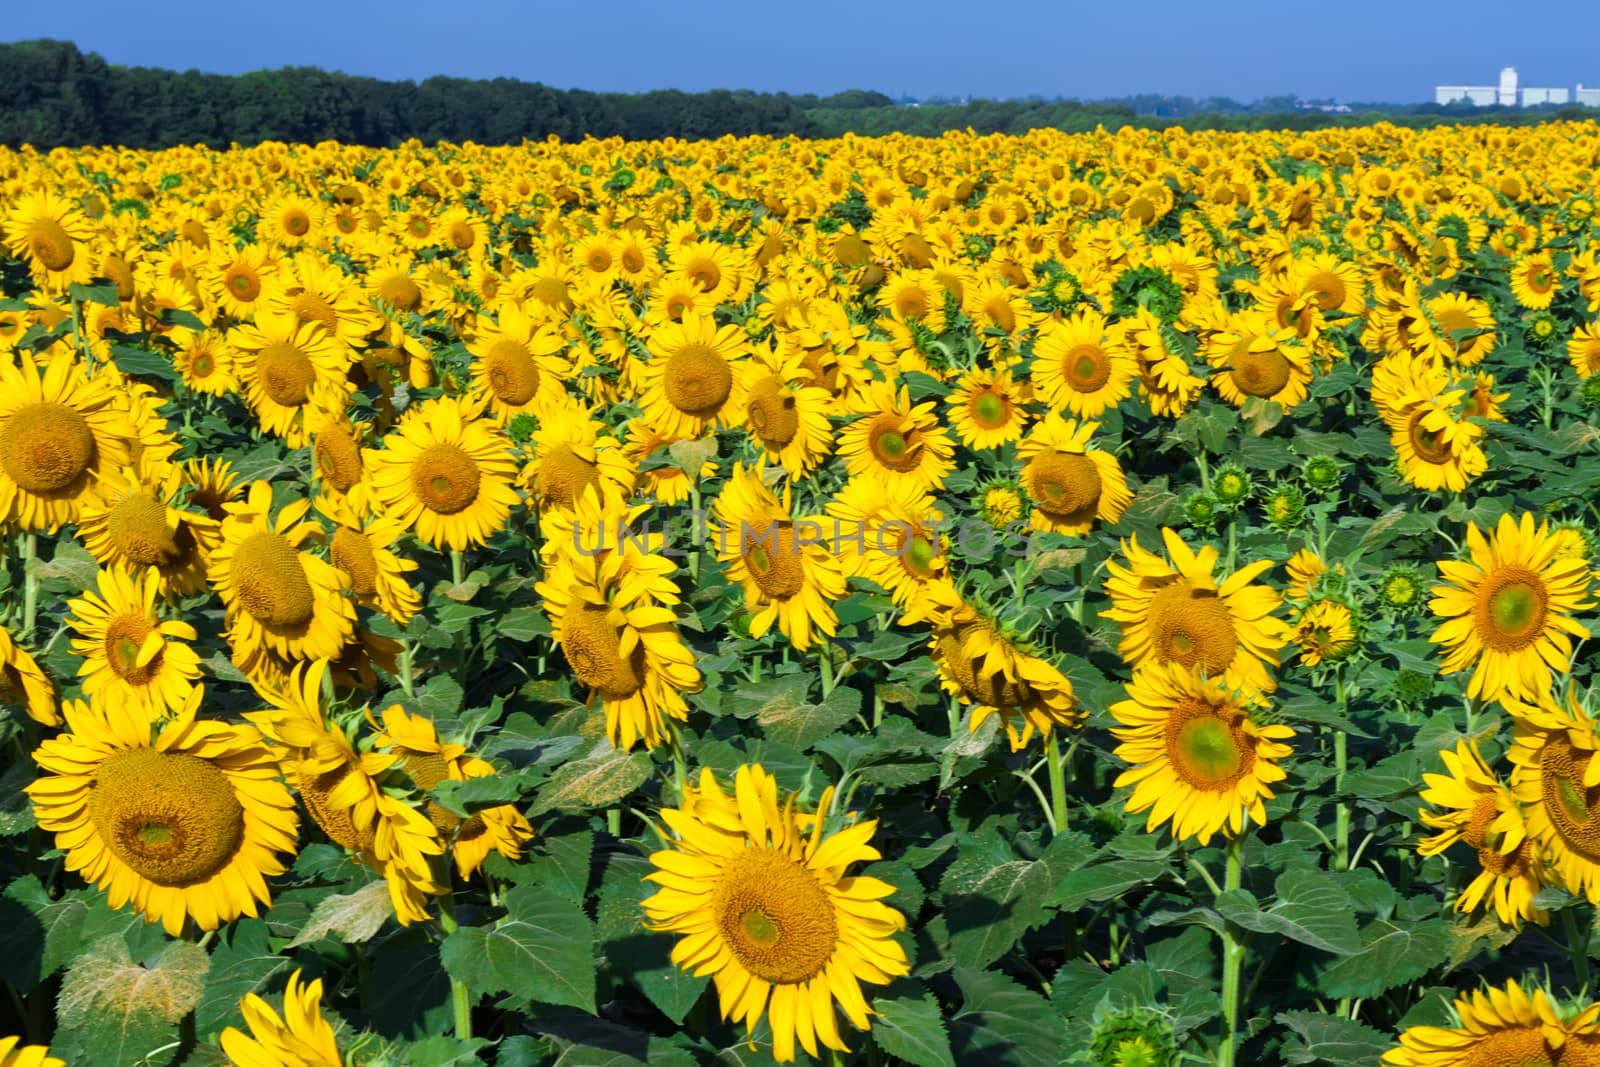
<point x="30" y="584"/>
<point x="456" y="566"/>
<point x="1232" y="960"/>
<point x="825" y="664"/>
<point x="405" y="665"/>
<point x="460" y="999"/>
<point x="1058" y="783"/>
<point x="1341" y="816"/>
<point x="1577" y="948"/>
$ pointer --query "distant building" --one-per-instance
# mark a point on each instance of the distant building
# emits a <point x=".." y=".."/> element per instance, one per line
<point x="1586" y="97"/>
<point x="1532" y="96"/>
<point x="1509" y="94"/>
<point x="1507" y="97"/>
<point x="1477" y="95"/>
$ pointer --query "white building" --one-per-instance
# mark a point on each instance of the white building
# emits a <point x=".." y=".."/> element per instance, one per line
<point x="1587" y="97"/>
<point x="1477" y="95"/>
<point x="1532" y="96"/>
<point x="1507" y="97"/>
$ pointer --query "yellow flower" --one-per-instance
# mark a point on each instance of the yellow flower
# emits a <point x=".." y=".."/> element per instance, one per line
<point x="22" y="683"/>
<point x="1501" y="1026"/>
<point x="130" y="656"/>
<point x="1070" y="483"/>
<point x="300" y="1037"/>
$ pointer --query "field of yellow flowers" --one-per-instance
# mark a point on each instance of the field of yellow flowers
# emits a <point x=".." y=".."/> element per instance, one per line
<point x="1116" y="599"/>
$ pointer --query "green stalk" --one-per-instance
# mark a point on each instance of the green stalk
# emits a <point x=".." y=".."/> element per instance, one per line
<point x="405" y="665"/>
<point x="1232" y="961"/>
<point x="825" y="662"/>
<point x="1341" y="825"/>
<point x="457" y="565"/>
<point x="1577" y="947"/>
<point x="1058" y="782"/>
<point x="460" y="999"/>
<point x="30" y="584"/>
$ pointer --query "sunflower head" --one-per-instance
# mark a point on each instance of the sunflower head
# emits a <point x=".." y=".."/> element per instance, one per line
<point x="1401" y="589"/>
<point x="1285" y="506"/>
<point x="1322" y="473"/>
<point x="1133" y="1037"/>
<point x="1232" y="486"/>
<point x="1201" y="509"/>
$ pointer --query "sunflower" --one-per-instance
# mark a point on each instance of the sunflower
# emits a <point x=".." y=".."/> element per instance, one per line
<point x="1508" y="612"/>
<point x="897" y="439"/>
<point x="60" y="431"/>
<point x="22" y="683"/>
<point x="336" y="449"/>
<point x="183" y="821"/>
<point x="1481" y="813"/>
<point x="1500" y="1026"/>
<point x="715" y="269"/>
<point x="1069" y="483"/>
<point x="1556" y="778"/>
<point x="1583" y="350"/>
<point x="212" y="485"/>
<point x="15" y="1054"/>
<point x="363" y="548"/>
<point x="1534" y="281"/>
<point x="446" y="474"/>
<point x="130" y="656"/>
<point x="277" y="597"/>
<point x="1179" y="613"/>
<point x="516" y="362"/>
<point x="1201" y="761"/>
<point x="301" y="1036"/>
<point x="1077" y="367"/>
<point x="573" y="450"/>
<point x="287" y="367"/>
<point x="52" y="237"/>
<point x="607" y="613"/>
<point x="413" y="742"/>
<point x="1304" y="568"/>
<point x="987" y="408"/>
<point x="1454" y="327"/>
<point x="982" y="664"/>
<point x="1325" y="632"/>
<point x="204" y="362"/>
<point x="789" y="573"/>
<point x="759" y="893"/>
<point x="133" y="519"/>
<point x="784" y="414"/>
<point x="666" y="482"/>
<point x="237" y="282"/>
<point x="289" y="221"/>
<point x="1255" y="358"/>
<point x="886" y="531"/>
<point x="693" y="379"/>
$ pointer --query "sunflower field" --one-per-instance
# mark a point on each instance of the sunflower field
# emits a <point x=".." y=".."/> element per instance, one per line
<point x="1117" y="599"/>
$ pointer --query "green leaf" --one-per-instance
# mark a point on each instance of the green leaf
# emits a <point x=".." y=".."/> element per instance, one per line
<point x="912" y="1029"/>
<point x="351" y="918"/>
<point x="1103" y="881"/>
<point x="143" y="363"/>
<point x="1007" y="901"/>
<point x="240" y="964"/>
<point x="1393" y="955"/>
<point x="543" y="950"/>
<point x="790" y="720"/>
<point x="1310" y="909"/>
<point x="1001" y="1024"/>
<point x="113" y="1010"/>
<point x="523" y="624"/>
<point x="104" y="294"/>
<point x="642" y="957"/>
<point x="37" y="935"/>
<point x="443" y="1051"/>
<point x="598" y="780"/>
<point x="1330" y="1039"/>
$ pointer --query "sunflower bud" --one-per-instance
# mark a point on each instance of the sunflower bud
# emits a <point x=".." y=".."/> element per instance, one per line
<point x="1322" y="474"/>
<point x="1141" y="1037"/>
<point x="1232" y="486"/>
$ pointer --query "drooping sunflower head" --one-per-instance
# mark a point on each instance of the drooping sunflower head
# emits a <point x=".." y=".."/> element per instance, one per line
<point x="1327" y="631"/>
<point x="1497" y="1026"/>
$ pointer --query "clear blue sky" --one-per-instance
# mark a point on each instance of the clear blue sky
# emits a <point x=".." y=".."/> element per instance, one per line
<point x="1387" y="50"/>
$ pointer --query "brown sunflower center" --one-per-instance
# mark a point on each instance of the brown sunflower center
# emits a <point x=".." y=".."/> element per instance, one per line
<point x="286" y="374"/>
<point x="173" y="818"/>
<point x="125" y="636"/>
<point x="1430" y="445"/>
<point x="1193" y="627"/>
<point x="351" y="551"/>
<point x="202" y="364"/>
<point x="705" y="273"/>
<point x="1511" y="608"/>
<point x="461" y="236"/>
<point x="309" y="307"/>
<point x="989" y="687"/>
<point x="271" y="582"/>
<point x="592" y="644"/>
<point x="335" y="821"/>
<point x="895" y="444"/>
<point x="1573" y="809"/>
<point x="1086" y="368"/>
<point x="1328" y="289"/>
<point x="697" y="380"/>
<point x="511" y="372"/>
<point x="46" y="446"/>
<point x="1519" y="1046"/>
<point x="51" y="244"/>
<point x="338" y="456"/>
<point x="400" y="291"/>
<point x="772" y="412"/>
<point x="243" y="283"/>
<point x="774" y="916"/>
<point x="564" y="475"/>
<point x="296" y="223"/>
<point x="445" y="478"/>
<point x="851" y="251"/>
<point x="772" y="556"/>
<point x="1208" y="751"/>
<point x="1062" y="483"/>
<point x="1260" y="373"/>
<point x="137" y="527"/>
<point x="989" y="410"/>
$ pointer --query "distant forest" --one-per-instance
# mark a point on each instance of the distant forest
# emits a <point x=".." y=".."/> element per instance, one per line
<point x="51" y="95"/>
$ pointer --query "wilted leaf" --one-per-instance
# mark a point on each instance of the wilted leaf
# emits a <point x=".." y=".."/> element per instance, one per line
<point x="351" y="917"/>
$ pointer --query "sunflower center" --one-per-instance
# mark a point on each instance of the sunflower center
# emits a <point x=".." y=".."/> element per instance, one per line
<point x="172" y="818"/>
<point x="309" y="307"/>
<point x="919" y="556"/>
<point x="989" y="410"/>
<point x="896" y="447"/>
<point x="564" y="475"/>
<point x="773" y="413"/>
<point x="338" y="457"/>
<point x="697" y="380"/>
<point x="295" y="224"/>
<point x="125" y="636"/>
<point x="1209" y="750"/>
<point x="593" y="647"/>
<point x="286" y="374"/>
<point x="401" y="292"/>
<point x="461" y="236"/>
<point x="46" y="446"/>
<point x="512" y="374"/>
<point x="271" y="581"/>
<point x="1522" y="1046"/>
<point x="1516" y="610"/>
<point x="1086" y="368"/>
<point x="1192" y="627"/>
<point x="1062" y="483"/>
<point x="203" y="364"/>
<point x="1260" y="373"/>
<point x="445" y="478"/>
<point x="137" y="526"/>
<point x="772" y="559"/>
<point x="336" y="822"/>
<point x="551" y="291"/>
<point x="775" y="917"/>
<point x="351" y="552"/>
<point x="1429" y="445"/>
<point x="1574" y="811"/>
<point x="851" y="251"/>
<point x="705" y="273"/>
<point x="51" y="244"/>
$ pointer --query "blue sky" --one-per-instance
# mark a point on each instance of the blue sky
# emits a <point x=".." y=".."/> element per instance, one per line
<point x="1390" y="50"/>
